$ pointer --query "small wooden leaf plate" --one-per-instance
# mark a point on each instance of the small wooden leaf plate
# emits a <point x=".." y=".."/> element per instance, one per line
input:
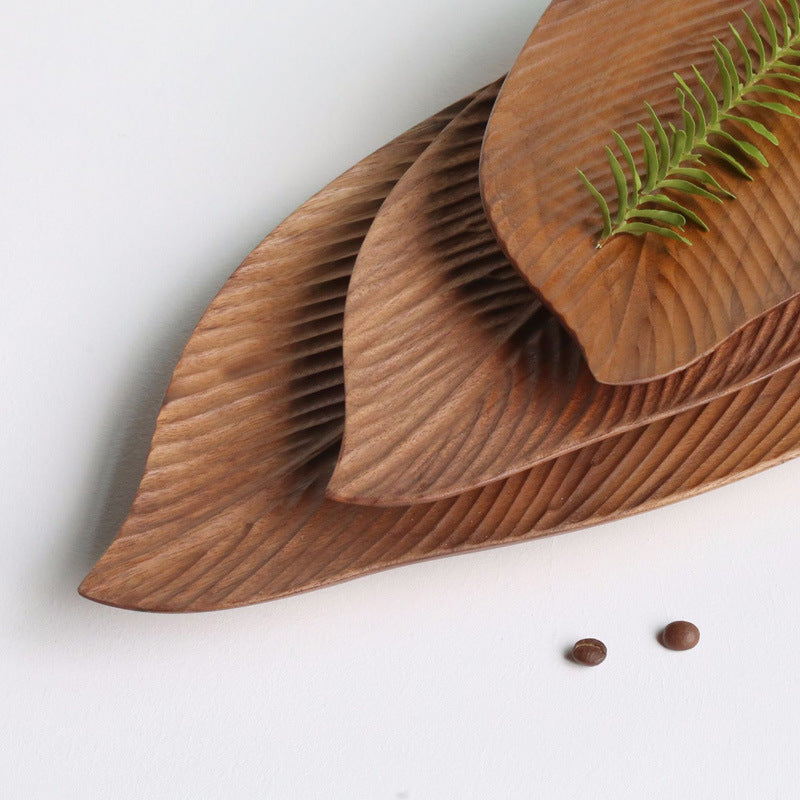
<point x="457" y="376"/>
<point x="640" y="307"/>
<point x="231" y="508"/>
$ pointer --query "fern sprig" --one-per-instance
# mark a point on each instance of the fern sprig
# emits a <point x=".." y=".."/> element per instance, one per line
<point x="673" y="158"/>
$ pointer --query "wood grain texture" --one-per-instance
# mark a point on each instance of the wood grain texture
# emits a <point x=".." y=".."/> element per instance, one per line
<point x="457" y="376"/>
<point x="231" y="509"/>
<point x="256" y="401"/>
<point x="640" y="307"/>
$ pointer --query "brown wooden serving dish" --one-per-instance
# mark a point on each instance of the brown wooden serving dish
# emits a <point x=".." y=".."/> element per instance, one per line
<point x="640" y="307"/>
<point x="456" y="375"/>
<point x="232" y="509"/>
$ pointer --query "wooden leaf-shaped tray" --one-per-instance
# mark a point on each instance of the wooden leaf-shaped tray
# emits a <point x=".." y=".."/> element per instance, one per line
<point x="457" y="376"/>
<point x="640" y="307"/>
<point x="231" y="508"/>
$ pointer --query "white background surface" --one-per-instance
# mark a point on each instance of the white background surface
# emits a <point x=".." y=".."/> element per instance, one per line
<point x="145" y="148"/>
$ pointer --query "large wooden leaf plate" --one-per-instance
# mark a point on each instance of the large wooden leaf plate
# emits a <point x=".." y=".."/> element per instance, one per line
<point x="457" y="376"/>
<point x="640" y="307"/>
<point x="231" y="509"/>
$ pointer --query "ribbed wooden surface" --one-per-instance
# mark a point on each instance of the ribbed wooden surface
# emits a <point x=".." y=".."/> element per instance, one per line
<point x="231" y="509"/>
<point x="641" y="308"/>
<point x="456" y="375"/>
<point x="256" y="402"/>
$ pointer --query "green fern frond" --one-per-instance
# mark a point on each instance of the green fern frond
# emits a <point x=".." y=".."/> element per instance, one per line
<point x="672" y="157"/>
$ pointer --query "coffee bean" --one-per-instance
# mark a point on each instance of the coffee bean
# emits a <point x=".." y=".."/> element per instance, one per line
<point x="680" y="635"/>
<point x="589" y="652"/>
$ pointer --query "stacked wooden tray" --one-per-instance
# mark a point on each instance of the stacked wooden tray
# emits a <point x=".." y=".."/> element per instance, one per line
<point x="432" y="355"/>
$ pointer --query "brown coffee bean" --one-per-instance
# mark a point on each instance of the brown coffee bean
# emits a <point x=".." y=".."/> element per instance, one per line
<point x="680" y="635"/>
<point x="589" y="652"/>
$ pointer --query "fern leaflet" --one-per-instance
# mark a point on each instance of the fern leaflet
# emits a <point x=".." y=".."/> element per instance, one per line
<point x="673" y="158"/>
